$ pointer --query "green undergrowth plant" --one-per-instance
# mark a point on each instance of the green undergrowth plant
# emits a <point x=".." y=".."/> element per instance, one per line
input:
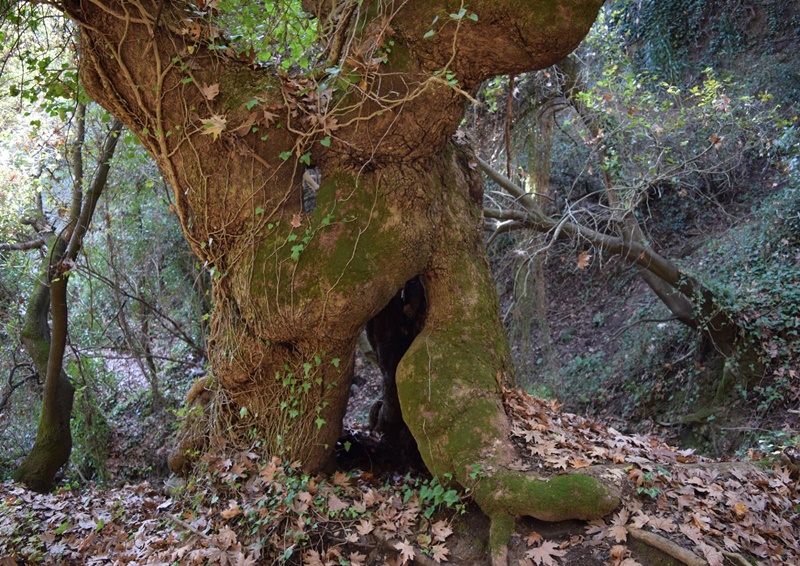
<point x="91" y="428"/>
<point x="434" y="495"/>
<point x="23" y="536"/>
<point x="18" y="435"/>
<point x="676" y="35"/>
<point x="760" y="263"/>
<point x="678" y="38"/>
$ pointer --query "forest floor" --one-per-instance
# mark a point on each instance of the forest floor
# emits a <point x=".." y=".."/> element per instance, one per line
<point x="616" y="362"/>
<point x="678" y="508"/>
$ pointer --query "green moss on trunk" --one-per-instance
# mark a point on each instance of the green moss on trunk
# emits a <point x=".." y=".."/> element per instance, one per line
<point x="53" y="443"/>
<point x="450" y="384"/>
<point x="289" y="312"/>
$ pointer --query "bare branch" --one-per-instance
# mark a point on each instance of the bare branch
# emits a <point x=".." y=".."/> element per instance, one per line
<point x="98" y="184"/>
<point x="13" y="385"/>
<point x="34" y="244"/>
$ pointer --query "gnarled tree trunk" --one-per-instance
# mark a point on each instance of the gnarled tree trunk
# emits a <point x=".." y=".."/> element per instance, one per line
<point x="294" y="285"/>
<point x="53" y="438"/>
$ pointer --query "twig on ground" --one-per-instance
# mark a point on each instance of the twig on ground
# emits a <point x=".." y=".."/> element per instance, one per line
<point x="665" y="545"/>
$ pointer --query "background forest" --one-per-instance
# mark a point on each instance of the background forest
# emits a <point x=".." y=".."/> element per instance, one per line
<point x="675" y="119"/>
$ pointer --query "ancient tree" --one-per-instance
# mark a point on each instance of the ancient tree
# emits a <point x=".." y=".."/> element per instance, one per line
<point x="300" y="266"/>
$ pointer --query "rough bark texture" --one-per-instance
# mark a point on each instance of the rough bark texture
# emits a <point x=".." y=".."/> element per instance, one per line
<point x="450" y="383"/>
<point x="293" y="288"/>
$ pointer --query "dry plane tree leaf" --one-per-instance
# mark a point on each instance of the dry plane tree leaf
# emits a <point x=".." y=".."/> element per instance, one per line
<point x="406" y="550"/>
<point x="335" y="504"/>
<point x="583" y="259"/>
<point x="545" y="555"/>
<point x="441" y="530"/>
<point x="440" y="553"/>
<point x="533" y="538"/>
<point x="215" y="125"/>
<point x="210" y="91"/>
<point x="232" y="511"/>
<point x="364" y="527"/>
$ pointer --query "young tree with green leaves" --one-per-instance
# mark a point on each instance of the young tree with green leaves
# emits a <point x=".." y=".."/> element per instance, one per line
<point x="45" y="332"/>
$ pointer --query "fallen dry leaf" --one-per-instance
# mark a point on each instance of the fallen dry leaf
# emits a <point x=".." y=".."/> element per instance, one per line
<point x="440" y="553"/>
<point x="441" y="530"/>
<point x="545" y="554"/>
<point x="406" y="550"/>
<point x="210" y="91"/>
<point x="584" y="258"/>
<point x="215" y="125"/>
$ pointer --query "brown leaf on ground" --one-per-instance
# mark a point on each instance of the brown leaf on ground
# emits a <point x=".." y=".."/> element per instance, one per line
<point x="545" y="554"/>
<point x="406" y="550"/>
<point x="210" y="91"/>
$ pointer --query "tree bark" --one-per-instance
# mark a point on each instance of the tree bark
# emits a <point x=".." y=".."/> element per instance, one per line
<point x="53" y="443"/>
<point x="293" y="286"/>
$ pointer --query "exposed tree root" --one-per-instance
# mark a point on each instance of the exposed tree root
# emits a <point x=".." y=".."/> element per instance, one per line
<point x="737" y="559"/>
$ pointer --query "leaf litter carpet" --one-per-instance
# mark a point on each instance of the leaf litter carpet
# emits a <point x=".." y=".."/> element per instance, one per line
<point x="240" y="510"/>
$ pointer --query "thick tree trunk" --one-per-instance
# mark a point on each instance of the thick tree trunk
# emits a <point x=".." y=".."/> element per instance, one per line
<point x="294" y="285"/>
<point x="288" y="316"/>
<point x="450" y="381"/>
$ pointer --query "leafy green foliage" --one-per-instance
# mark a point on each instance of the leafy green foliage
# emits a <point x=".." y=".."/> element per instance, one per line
<point x="92" y="434"/>
<point x="668" y="137"/>
<point x="433" y="495"/>
<point x="676" y="39"/>
<point x="669" y="32"/>
<point x="279" y="33"/>
<point x="760" y="266"/>
<point x="139" y="236"/>
<point x="687" y="153"/>
<point x="39" y="66"/>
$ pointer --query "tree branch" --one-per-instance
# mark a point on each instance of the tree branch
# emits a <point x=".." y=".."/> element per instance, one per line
<point x="34" y="244"/>
<point x="98" y="184"/>
<point x="5" y="396"/>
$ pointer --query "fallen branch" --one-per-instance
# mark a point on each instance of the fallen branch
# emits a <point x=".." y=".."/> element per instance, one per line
<point x="736" y="558"/>
<point x="187" y="526"/>
<point x="666" y="546"/>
